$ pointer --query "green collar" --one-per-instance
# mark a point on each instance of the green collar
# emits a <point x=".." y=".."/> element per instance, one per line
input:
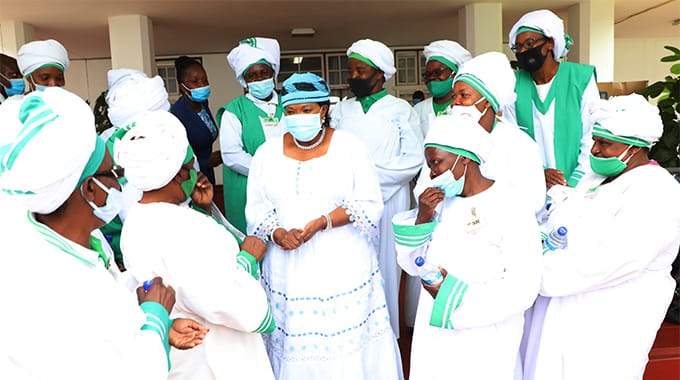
<point x="440" y="109"/>
<point x="368" y="101"/>
<point x="64" y="245"/>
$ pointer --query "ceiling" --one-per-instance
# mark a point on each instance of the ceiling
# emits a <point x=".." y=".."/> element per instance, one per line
<point x="214" y="26"/>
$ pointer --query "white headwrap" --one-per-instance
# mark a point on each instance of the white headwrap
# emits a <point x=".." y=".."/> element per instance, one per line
<point x="252" y="50"/>
<point x="36" y="54"/>
<point x="152" y="152"/>
<point x="449" y="50"/>
<point x="491" y="75"/>
<point x="550" y="25"/>
<point x="53" y="138"/>
<point x="627" y="119"/>
<point x="452" y="133"/>
<point x="131" y="92"/>
<point x="377" y="53"/>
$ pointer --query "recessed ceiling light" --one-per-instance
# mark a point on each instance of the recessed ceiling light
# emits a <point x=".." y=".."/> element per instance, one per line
<point x="302" y="32"/>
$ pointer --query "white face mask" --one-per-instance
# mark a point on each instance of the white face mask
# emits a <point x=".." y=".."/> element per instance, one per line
<point x="471" y="111"/>
<point x="114" y="202"/>
<point x="304" y="126"/>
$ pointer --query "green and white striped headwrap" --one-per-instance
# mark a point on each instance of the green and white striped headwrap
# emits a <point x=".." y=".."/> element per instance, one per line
<point x="629" y="120"/>
<point x="52" y="140"/>
<point x="478" y="85"/>
<point x="490" y="74"/>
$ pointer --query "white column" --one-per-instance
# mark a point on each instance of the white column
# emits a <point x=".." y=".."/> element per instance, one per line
<point x="131" y="40"/>
<point x="14" y="34"/>
<point x="591" y="25"/>
<point x="481" y="27"/>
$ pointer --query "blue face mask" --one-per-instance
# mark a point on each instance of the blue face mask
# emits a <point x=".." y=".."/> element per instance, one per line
<point x="447" y="182"/>
<point x="199" y="94"/>
<point x="114" y="202"/>
<point x="261" y="89"/>
<point x="304" y="127"/>
<point x="17" y="86"/>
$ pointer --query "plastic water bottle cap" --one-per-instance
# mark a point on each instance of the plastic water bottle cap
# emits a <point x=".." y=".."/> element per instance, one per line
<point x="420" y="261"/>
<point x="147" y="284"/>
<point x="562" y="231"/>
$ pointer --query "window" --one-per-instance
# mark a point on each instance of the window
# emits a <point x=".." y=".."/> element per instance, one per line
<point x="337" y="69"/>
<point x="407" y="67"/>
<point x="300" y="63"/>
<point x="166" y="70"/>
<point x="169" y="75"/>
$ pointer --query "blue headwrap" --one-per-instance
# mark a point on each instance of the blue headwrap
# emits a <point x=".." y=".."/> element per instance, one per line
<point x="304" y="88"/>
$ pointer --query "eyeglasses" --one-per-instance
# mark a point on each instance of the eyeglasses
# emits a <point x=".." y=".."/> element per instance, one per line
<point x="116" y="172"/>
<point x="527" y="44"/>
<point x="435" y="73"/>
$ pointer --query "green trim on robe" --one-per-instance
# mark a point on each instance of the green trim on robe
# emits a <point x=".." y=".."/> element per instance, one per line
<point x="367" y="101"/>
<point x="248" y="262"/>
<point x="440" y="109"/>
<point x="449" y="298"/>
<point x="252" y="136"/>
<point x="158" y="320"/>
<point x="413" y="236"/>
<point x="267" y="325"/>
<point x="570" y="83"/>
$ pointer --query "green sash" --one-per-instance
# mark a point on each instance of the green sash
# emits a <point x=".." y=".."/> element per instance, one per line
<point x="252" y="136"/>
<point x="566" y="90"/>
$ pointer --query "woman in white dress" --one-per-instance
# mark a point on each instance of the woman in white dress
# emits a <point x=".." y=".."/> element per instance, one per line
<point x="314" y="196"/>
<point x="468" y="326"/>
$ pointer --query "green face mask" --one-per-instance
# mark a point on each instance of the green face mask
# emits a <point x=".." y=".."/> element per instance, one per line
<point x="609" y="167"/>
<point x="440" y="88"/>
<point x="189" y="184"/>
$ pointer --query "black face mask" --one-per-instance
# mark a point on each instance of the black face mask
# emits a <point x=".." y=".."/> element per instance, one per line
<point x="361" y="87"/>
<point x="532" y="59"/>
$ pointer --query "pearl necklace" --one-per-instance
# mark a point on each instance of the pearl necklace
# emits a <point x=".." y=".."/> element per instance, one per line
<point x="310" y="147"/>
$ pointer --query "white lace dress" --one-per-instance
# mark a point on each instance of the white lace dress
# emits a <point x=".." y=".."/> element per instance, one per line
<point x="327" y="296"/>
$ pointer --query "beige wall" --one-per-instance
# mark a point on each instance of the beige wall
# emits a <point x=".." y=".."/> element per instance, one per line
<point x="638" y="58"/>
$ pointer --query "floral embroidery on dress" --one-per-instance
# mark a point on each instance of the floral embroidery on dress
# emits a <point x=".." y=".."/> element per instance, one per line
<point x="360" y="220"/>
<point x="265" y="229"/>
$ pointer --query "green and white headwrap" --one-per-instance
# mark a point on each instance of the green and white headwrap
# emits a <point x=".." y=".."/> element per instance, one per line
<point x="450" y="53"/>
<point x="546" y="23"/>
<point x="490" y="74"/>
<point x="375" y="54"/>
<point x="50" y="143"/>
<point x="251" y="51"/>
<point x="459" y="135"/>
<point x="38" y="54"/>
<point x="153" y="152"/>
<point x="629" y="120"/>
<point x="478" y="85"/>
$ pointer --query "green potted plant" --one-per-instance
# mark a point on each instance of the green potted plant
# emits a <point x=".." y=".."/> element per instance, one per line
<point x="666" y="151"/>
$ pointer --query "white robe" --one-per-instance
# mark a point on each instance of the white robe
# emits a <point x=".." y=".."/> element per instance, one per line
<point x="425" y="114"/>
<point x="544" y="126"/>
<point x="608" y="291"/>
<point x="198" y="257"/>
<point x="392" y="135"/>
<point x="514" y="162"/>
<point x="493" y="246"/>
<point x="66" y="320"/>
<point x="327" y="295"/>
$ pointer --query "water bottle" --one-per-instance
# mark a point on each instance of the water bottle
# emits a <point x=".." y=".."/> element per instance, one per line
<point x="430" y="273"/>
<point x="557" y="238"/>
